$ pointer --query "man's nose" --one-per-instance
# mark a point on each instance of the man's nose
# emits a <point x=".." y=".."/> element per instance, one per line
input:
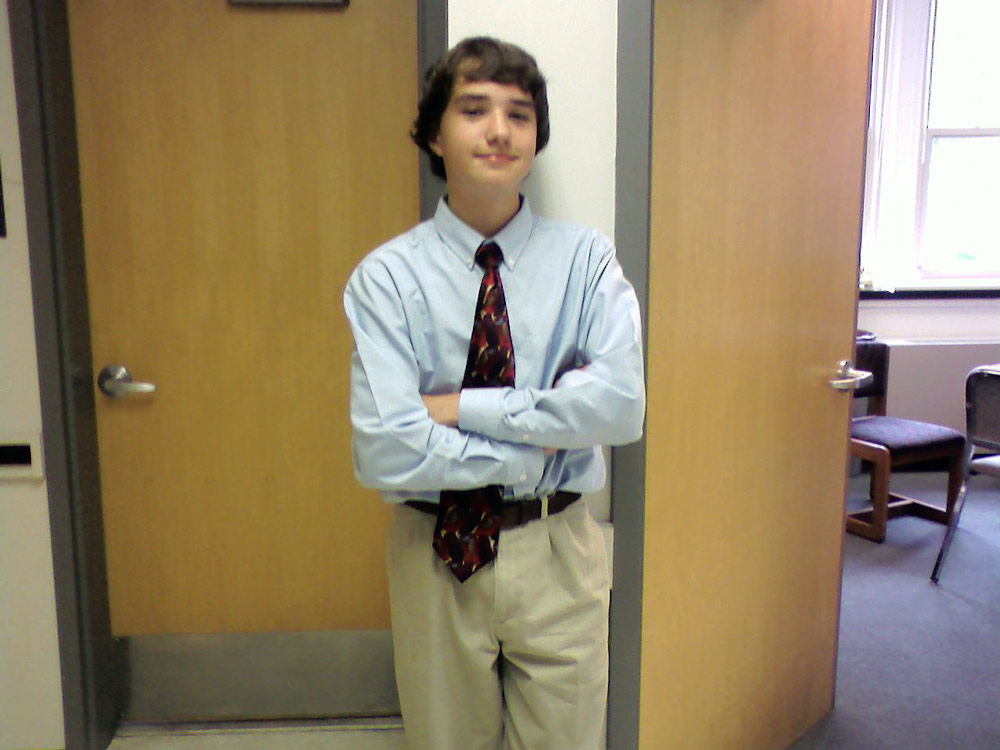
<point x="499" y="127"/>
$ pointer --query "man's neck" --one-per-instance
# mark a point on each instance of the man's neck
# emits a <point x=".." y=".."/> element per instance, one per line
<point x="487" y="214"/>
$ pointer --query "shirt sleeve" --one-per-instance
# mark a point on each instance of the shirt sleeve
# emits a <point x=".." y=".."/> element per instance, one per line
<point x="395" y="443"/>
<point x="601" y="402"/>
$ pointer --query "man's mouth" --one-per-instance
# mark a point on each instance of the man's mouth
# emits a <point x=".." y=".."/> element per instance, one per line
<point x="497" y="157"/>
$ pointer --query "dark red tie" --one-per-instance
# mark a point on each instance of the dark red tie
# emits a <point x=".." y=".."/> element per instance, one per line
<point x="468" y="522"/>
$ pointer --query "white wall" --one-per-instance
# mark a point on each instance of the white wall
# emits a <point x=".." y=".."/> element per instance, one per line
<point x="30" y="693"/>
<point x="934" y="343"/>
<point x="939" y="399"/>
<point x="944" y="320"/>
<point x="575" y="45"/>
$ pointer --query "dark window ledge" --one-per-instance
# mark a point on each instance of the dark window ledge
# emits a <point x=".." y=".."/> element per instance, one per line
<point x="932" y="294"/>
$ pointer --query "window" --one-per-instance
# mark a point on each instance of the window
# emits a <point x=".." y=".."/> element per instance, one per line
<point x="932" y="194"/>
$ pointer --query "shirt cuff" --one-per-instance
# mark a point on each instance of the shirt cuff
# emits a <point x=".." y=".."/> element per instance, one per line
<point x="479" y="411"/>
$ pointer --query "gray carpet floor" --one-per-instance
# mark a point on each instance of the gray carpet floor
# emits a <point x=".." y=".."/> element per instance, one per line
<point x="918" y="664"/>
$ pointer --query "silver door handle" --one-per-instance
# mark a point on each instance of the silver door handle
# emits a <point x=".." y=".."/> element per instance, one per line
<point x="116" y="381"/>
<point x="847" y="378"/>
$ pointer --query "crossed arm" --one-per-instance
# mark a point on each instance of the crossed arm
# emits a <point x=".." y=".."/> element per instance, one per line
<point x="443" y="409"/>
<point x="407" y="441"/>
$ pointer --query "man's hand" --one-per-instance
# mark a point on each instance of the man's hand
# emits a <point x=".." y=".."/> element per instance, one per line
<point x="443" y="408"/>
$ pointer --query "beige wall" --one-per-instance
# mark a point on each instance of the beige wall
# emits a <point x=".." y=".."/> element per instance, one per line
<point x="935" y="342"/>
<point x="30" y="693"/>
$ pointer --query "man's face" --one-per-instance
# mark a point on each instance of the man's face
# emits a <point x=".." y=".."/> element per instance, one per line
<point x="487" y="136"/>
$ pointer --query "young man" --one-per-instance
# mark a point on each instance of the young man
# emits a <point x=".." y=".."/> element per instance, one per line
<point x="495" y="351"/>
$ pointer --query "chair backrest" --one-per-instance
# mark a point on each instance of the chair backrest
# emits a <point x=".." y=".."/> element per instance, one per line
<point x="982" y="406"/>
<point x="873" y="356"/>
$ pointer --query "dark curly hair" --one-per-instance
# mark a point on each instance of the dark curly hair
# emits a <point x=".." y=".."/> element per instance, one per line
<point x="497" y="61"/>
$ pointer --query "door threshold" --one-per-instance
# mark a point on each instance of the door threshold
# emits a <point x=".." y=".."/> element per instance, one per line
<point x="261" y="726"/>
<point x="279" y="677"/>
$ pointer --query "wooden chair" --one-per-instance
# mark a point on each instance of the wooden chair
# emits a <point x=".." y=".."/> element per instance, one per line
<point x="982" y="431"/>
<point x="884" y="443"/>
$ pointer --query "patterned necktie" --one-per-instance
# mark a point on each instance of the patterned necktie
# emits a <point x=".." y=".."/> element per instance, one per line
<point x="468" y="522"/>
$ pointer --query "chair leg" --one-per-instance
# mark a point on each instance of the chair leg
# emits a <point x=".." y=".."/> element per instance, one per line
<point x="958" y="474"/>
<point x="872" y="524"/>
<point x="880" y="499"/>
<point x="958" y="488"/>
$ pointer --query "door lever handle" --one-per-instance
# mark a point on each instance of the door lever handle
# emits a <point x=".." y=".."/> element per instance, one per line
<point x="116" y="381"/>
<point x="847" y="378"/>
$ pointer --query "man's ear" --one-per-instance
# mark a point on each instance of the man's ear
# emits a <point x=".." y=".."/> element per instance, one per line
<point x="435" y="147"/>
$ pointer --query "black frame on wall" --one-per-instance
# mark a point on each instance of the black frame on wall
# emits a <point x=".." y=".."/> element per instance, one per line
<point x="3" y="215"/>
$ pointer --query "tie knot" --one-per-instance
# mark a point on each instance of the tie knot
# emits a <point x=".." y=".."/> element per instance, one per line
<point x="489" y="255"/>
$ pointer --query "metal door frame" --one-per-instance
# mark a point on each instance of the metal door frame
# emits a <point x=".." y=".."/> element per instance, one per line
<point x="43" y="90"/>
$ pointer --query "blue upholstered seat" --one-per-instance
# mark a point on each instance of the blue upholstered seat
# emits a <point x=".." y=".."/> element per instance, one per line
<point x="903" y="435"/>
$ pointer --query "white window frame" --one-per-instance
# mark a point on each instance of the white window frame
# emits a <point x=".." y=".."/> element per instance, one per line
<point x="898" y="154"/>
<point x="923" y="184"/>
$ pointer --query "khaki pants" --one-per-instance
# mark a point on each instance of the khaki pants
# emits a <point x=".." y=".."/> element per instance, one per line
<point x="540" y="612"/>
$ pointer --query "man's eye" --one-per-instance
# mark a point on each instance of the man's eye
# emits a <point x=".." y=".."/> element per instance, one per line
<point x="522" y="116"/>
<point x="472" y="111"/>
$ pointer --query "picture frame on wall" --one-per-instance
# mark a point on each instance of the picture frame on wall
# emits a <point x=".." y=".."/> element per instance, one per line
<point x="3" y="215"/>
<point x="300" y="3"/>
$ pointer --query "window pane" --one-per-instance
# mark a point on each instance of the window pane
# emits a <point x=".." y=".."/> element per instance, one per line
<point x="961" y="235"/>
<point x="965" y="74"/>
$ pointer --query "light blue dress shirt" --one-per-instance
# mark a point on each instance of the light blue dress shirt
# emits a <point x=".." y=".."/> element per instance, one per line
<point x="575" y="328"/>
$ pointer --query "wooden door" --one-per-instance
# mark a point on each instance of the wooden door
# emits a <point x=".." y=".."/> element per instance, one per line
<point x="759" y="121"/>
<point x="236" y="163"/>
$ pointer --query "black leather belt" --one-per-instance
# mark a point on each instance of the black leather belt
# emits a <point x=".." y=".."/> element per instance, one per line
<point x="516" y="513"/>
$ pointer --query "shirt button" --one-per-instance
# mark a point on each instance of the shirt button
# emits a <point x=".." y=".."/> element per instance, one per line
<point x="523" y="477"/>
<point x="525" y="436"/>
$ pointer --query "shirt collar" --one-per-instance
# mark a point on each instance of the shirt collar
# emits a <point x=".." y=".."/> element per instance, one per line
<point x="463" y="240"/>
